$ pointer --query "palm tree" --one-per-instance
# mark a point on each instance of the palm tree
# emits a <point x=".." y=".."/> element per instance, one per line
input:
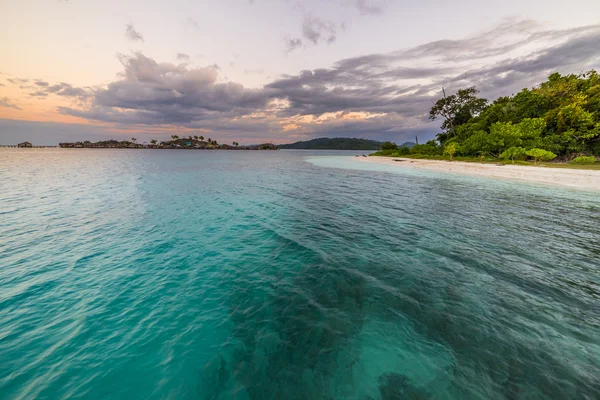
<point x="195" y="137"/>
<point x="153" y="141"/>
<point x="174" y="137"/>
<point x="202" y="138"/>
<point x="133" y="139"/>
<point x="209" y="141"/>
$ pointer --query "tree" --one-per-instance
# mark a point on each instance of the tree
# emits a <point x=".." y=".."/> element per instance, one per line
<point x="540" y="154"/>
<point x="451" y="149"/>
<point x="195" y="137"/>
<point x="512" y="153"/>
<point x="429" y="148"/>
<point x="458" y="108"/>
<point x="133" y="139"/>
<point x="174" y="137"/>
<point x="202" y="138"/>
<point x="153" y="141"/>
<point x="389" y="146"/>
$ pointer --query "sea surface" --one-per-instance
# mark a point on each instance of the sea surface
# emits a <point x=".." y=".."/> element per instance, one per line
<point x="166" y="274"/>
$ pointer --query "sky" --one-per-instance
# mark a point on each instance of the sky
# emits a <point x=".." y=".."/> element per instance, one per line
<point x="278" y="71"/>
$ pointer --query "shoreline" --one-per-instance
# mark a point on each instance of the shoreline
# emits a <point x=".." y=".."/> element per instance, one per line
<point x="571" y="178"/>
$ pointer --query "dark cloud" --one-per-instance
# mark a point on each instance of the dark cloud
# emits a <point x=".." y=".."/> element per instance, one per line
<point x="132" y="34"/>
<point x="41" y="83"/>
<point x="164" y="93"/>
<point x="39" y="94"/>
<point x="377" y="95"/>
<point x="5" y="102"/>
<point x="183" y="57"/>
<point x="17" y="81"/>
<point x="292" y="44"/>
<point x="316" y="30"/>
<point x="369" y="7"/>
<point x="65" y="90"/>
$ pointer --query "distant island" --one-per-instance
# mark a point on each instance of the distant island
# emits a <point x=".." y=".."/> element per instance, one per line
<point x="334" y="144"/>
<point x="176" y="142"/>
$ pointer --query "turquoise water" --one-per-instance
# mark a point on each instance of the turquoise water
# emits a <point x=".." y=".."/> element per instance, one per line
<point x="290" y="275"/>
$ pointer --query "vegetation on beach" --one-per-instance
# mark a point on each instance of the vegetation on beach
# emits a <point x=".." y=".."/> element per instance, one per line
<point x="557" y="120"/>
<point x="334" y="144"/>
<point x="176" y="142"/>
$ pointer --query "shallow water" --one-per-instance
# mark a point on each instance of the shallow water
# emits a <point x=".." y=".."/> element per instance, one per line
<point x="290" y="275"/>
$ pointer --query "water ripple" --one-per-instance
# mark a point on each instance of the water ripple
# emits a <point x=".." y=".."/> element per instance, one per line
<point x="247" y="275"/>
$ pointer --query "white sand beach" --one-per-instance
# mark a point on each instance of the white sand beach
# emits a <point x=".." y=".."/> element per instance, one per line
<point x="574" y="178"/>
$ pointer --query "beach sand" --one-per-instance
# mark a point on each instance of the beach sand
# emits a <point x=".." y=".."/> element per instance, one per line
<point x="574" y="178"/>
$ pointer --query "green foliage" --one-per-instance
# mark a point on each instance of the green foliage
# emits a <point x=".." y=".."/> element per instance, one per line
<point x="389" y="146"/>
<point x="561" y="116"/>
<point x="451" y="149"/>
<point x="334" y="144"/>
<point x="513" y="153"/>
<point x="397" y="152"/>
<point x="429" y="148"/>
<point x="540" y="154"/>
<point x="458" y="108"/>
<point x="583" y="160"/>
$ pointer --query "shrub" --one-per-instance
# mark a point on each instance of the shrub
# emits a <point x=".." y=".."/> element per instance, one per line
<point x="540" y="154"/>
<point x="583" y="160"/>
<point x="513" y="153"/>
<point x="451" y="149"/>
<point x="430" y="148"/>
<point x="389" y="146"/>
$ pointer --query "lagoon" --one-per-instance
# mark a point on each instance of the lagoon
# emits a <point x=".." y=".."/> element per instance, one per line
<point x="290" y="275"/>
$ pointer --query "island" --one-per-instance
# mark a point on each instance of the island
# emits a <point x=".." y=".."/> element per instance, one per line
<point x="553" y="124"/>
<point x="176" y="142"/>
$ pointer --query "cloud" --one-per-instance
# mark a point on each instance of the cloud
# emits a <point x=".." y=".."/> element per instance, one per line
<point x="183" y="57"/>
<point x="132" y="34"/>
<point x="2" y="84"/>
<point x="17" y="81"/>
<point x="381" y="96"/>
<point x="315" y="30"/>
<point x="193" y="22"/>
<point x="292" y="44"/>
<point x="41" y="83"/>
<point x="67" y="90"/>
<point x="5" y="102"/>
<point x="369" y="7"/>
<point x="165" y="93"/>
<point x="39" y="94"/>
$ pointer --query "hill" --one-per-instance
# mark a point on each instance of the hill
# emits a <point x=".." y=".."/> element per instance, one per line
<point x="334" y="144"/>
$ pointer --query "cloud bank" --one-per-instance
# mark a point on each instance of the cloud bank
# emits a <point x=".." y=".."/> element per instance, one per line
<point x="383" y="96"/>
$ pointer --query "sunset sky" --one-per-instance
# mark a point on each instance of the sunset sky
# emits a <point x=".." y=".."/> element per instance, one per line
<point x="271" y="70"/>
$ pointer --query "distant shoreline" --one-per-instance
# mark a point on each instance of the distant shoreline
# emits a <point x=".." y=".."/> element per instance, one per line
<point x="572" y="178"/>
